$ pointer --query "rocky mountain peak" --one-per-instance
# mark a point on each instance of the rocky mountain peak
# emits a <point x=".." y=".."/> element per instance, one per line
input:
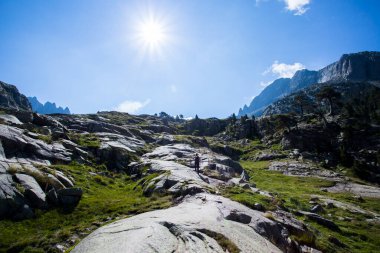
<point x="356" y="67"/>
<point x="362" y="66"/>
<point x="10" y="97"/>
<point x="47" y="108"/>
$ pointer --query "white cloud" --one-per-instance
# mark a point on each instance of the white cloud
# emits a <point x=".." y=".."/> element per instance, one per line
<point x="284" y="70"/>
<point x="299" y="7"/>
<point x="131" y="106"/>
<point x="173" y="88"/>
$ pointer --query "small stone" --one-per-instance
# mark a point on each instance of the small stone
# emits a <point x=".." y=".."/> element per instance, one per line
<point x="259" y="207"/>
<point x="316" y="209"/>
<point x="245" y="186"/>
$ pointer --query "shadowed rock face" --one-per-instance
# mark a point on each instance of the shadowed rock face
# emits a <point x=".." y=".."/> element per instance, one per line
<point x="10" y="97"/>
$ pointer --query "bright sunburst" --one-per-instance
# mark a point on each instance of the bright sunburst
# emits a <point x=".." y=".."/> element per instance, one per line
<point x="152" y="36"/>
<point x="152" y="33"/>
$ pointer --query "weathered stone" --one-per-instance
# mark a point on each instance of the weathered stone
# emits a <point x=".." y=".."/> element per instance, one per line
<point x="258" y="207"/>
<point x="188" y="227"/>
<point x="16" y="143"/>
<point x="53" y="181"/>
<point x="266" y="156"/>
<point x="12" y="203"/>
<point x="320" y="220"/>
<point x="354" y="188"/>
<point x="63" y="179"/>
<point x="33" y="191"/>
<point x="316" y="209"/>
<point x="10" y="119"/>
<point x="10" y="97"/>
<point x="69" y="196"/>
<point x="295" y="168"/>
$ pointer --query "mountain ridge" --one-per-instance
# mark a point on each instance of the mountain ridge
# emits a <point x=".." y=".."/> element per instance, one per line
<point x="361" y="66"/>
<point x="47" y="108"/>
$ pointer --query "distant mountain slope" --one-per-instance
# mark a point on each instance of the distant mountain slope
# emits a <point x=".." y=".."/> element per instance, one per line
<point x="349" y="91"/>
<point x="47" y="108"/>
<point x="10" y="97"/>
<point x="358" y="67"/>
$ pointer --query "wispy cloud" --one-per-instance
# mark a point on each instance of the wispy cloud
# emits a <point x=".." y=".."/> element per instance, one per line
<point x="298" y="7"/>
<point x="131" y="106"/>
<point x="284" y="70"/>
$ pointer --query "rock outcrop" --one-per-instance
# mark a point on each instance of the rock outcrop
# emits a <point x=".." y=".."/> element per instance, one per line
<point x="196" y="225"/>
<point x="11" y="98"/>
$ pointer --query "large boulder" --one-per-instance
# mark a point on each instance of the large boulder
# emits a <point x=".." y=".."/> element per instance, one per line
<point x="69" y="197"/>
<point x="12" y="203"/>
<point x="33" y="191"/>
<point x="116" y="150"/>
<point x="202" y="223"/>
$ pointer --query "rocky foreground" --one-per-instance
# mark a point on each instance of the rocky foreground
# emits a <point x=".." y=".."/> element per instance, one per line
<point x="202" y="221"/>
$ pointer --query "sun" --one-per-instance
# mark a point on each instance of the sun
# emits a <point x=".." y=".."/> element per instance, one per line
<point x="152" y="32"/>
<point x="152" y="36"/>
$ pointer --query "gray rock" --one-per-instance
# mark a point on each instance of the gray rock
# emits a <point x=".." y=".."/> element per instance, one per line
<point x="357" y="189"/>
<point x="33" y="191"/>
<point x="53" y="181"/>
<point x="70" y="196"/>
<point x="265" y="156"/>
<point x="320" y="220"/>
<point x="292" y="224"/>
<point x="259" y="207"/>
<point x="307" y="249"/>
<point x="116" y="149"/>
<point x="244" y="176"/>
<point x="188" y="227"/>
<point x="63" y="179"/>
<point x="10" y="119"/>
<point x="12" y="202"/>
<point x="2" y="155"/>
<point x="16" y="143"/>
<point x="11" y="98"/>
<point x="295" y="168"/>
<point x="316" y="209"/>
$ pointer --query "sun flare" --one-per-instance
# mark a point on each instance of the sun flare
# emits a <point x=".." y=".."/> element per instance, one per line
<point x="152" y="36"/>
<point x="152" y="32"/>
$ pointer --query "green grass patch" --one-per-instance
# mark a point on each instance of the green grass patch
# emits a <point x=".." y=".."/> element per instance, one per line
<point x="45" y="138"/>
<point x="109" y="197"/>
<point x="295" y="193"/>
<point x="85" y="140"/>
<point x="249" y="198"/>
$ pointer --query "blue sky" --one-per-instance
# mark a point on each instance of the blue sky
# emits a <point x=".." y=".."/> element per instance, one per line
<point x="215" y="56"/>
